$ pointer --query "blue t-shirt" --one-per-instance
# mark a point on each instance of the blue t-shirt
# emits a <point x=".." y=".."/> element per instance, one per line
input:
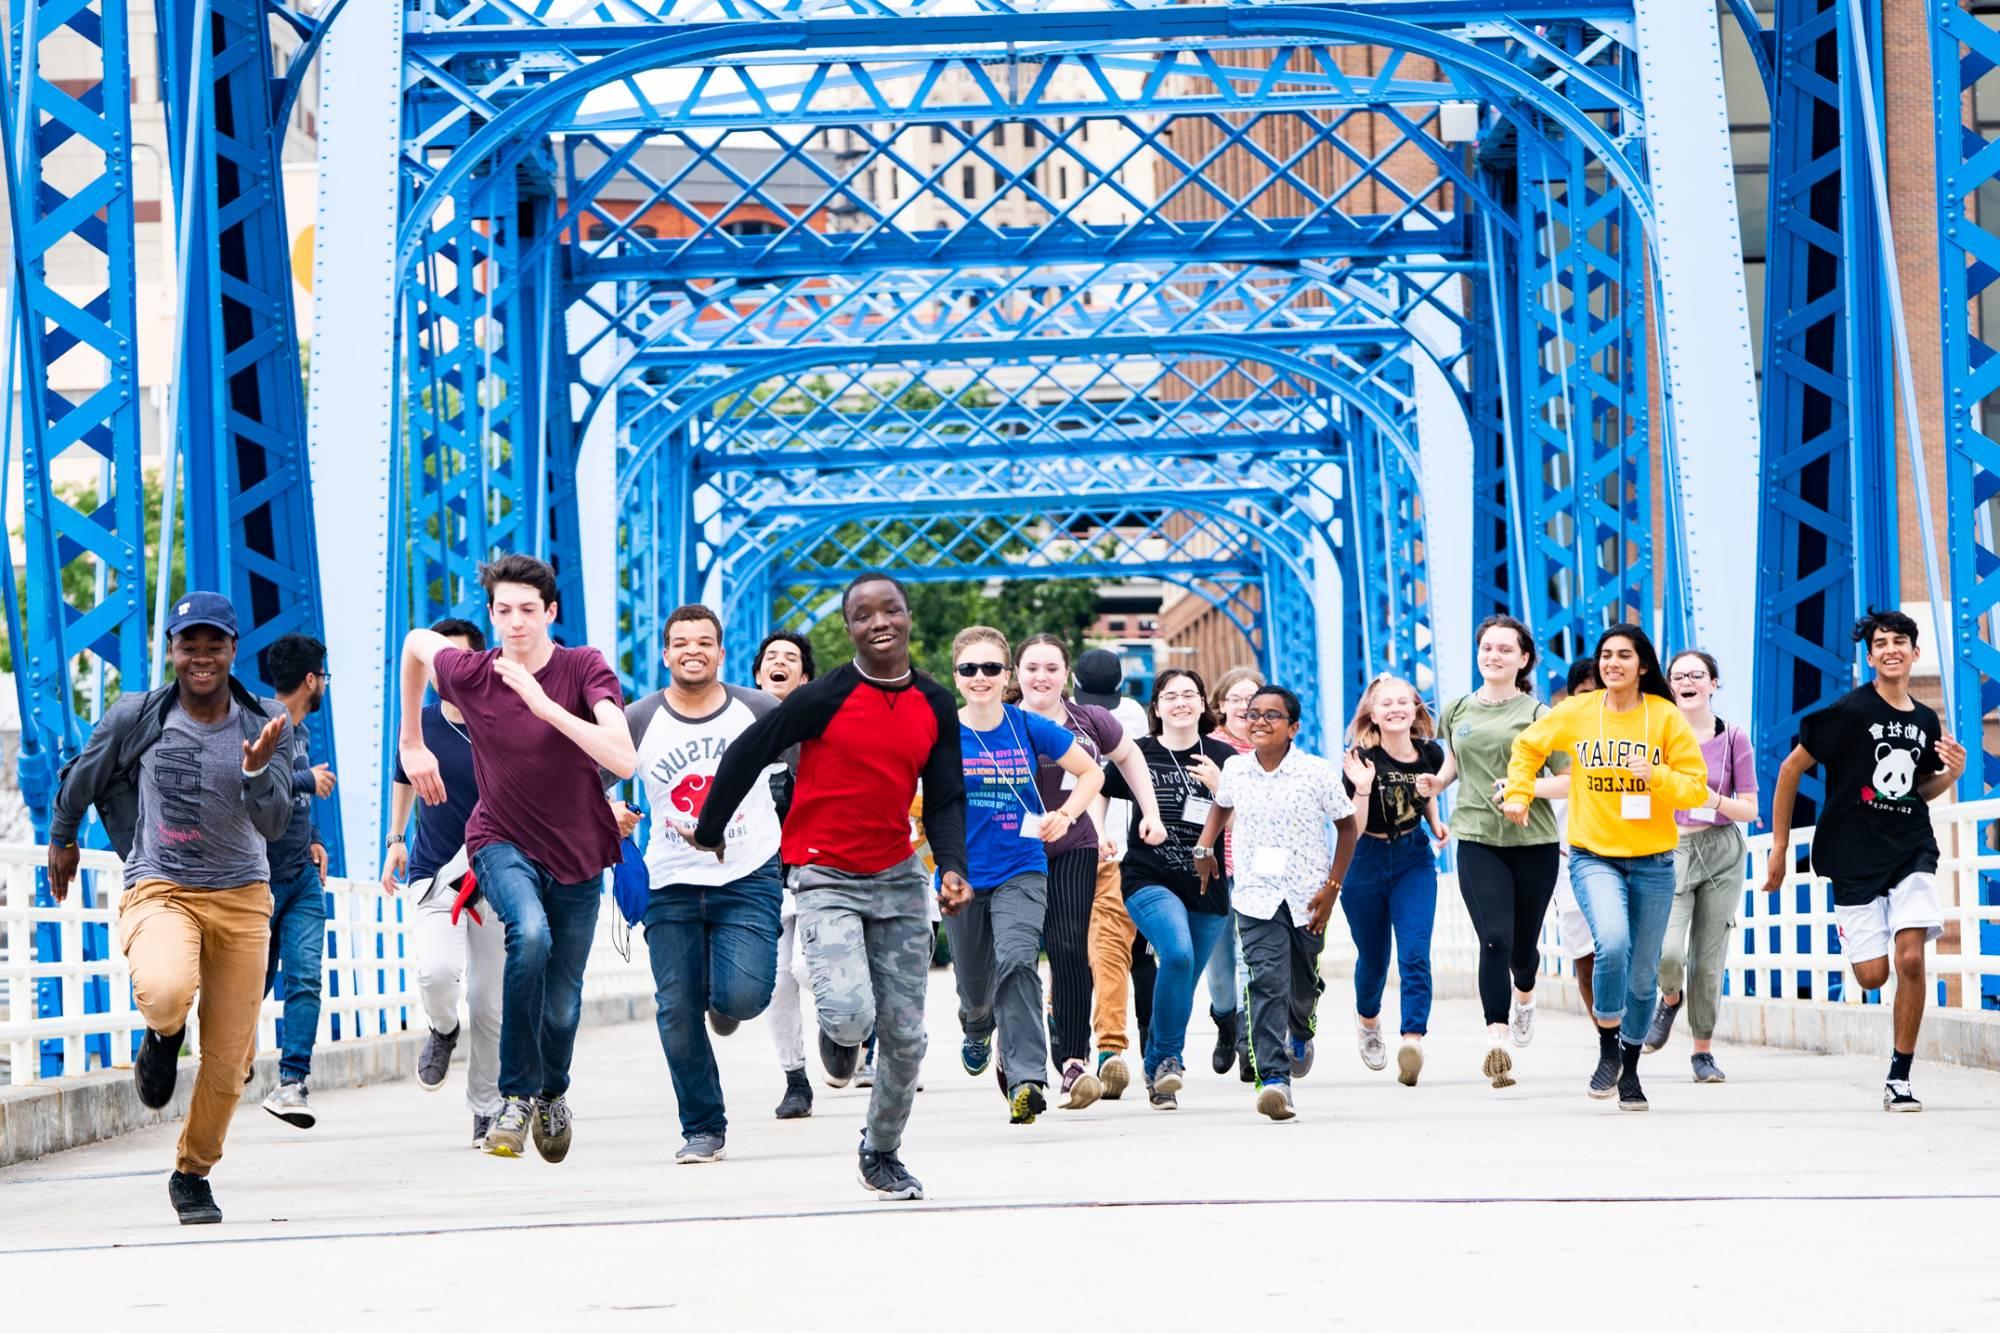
<point x="441" y="828"/>
<point x="1000" y="789"/>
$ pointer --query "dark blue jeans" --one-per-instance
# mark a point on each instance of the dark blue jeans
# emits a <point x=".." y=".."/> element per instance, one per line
<point x="549" y="928"/>
<point x="298" y="941"/>
<point x="1183" y="941"/>
<point x="1391" y="889"/>
<point x="713" y="947"/>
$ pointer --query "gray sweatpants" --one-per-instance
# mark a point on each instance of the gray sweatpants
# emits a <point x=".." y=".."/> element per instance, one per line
<point x="995" y="946"/>
<point x="867" y="941"/>
<point x="1708" y="890"/>
<point x="1281" y="989"/>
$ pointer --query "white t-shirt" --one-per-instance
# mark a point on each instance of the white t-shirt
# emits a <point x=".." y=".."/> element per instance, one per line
<point x="1119" y="815"/>
<point x="678" y="757"/>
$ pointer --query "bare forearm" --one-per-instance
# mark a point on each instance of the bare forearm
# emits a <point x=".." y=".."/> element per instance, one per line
<point x="417" y="653"/>
<point x="402" y="799"/>
<point x="1348" y="832"/>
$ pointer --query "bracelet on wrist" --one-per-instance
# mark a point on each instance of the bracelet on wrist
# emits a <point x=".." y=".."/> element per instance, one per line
<point x="395" y="839"/>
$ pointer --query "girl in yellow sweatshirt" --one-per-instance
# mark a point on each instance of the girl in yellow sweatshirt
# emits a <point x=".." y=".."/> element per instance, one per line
<point x="1633" y="762"/>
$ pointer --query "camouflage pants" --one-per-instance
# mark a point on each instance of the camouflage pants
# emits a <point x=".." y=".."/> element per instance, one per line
<point x="867" y="941"/>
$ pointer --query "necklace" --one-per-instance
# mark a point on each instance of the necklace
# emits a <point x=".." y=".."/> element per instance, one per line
<point x="904" y="674"/>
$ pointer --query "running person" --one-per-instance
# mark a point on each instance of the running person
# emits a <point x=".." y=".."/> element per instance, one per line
<point x="460" y="951"/>
<point x="1708" y="867"/>
<point x="1100" y="681"/>
<point x="867" y="733"/>
<point x="712" y="922"/>
<point x="1886" y="756"/>
<point x="996" y="939"/>
<point x="1280" y="800"/>
<point x="1392" y="885"/>
<point x="192" y="781"/>
<point x="1042" y="668"/>
<point x="1224" y="971"/>
<point x="1179" y="915"/>
<point x="784" y="662"/>
<point x="1505" y="873"/>
<point x="1633" y="762"/>
<point x="1572" y="930"/>
<point x="543" y="721"/>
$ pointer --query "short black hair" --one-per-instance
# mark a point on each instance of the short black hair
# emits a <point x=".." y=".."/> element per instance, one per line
<point x="798" y="641"/>
<point x="691" y="612"/>
<point x="871" y="576"/>
<point x="1283" y="695"/>
<point x="452" y="627"/>
<point x="1895" y="622"/>
<point x="291" y="658"/>
<point x="523" y="569"/>
<point x="1582" y="672"/>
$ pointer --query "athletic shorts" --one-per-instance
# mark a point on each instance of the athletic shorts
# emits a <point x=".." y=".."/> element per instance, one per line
<point x="1576" y="940"/>
<point x="1867" y="931"/>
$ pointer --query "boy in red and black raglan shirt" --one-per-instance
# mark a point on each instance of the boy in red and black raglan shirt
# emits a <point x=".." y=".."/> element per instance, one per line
<point x="867" y="733"/>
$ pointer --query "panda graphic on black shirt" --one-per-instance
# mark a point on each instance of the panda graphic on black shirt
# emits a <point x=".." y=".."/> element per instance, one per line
<point x="1899" y="749"/>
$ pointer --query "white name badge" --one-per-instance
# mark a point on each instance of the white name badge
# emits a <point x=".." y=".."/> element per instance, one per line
<point x="1031" y="827"/>
<point x="1270" y="860"/>
<point x="1636" y="805"/>
<point x="1701" y="814"/>
<point x="1069" y="780"/>
<point x="1195" y="810"/>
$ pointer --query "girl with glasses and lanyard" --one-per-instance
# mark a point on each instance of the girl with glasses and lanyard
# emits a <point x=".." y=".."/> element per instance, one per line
<point x="996" y="939"/>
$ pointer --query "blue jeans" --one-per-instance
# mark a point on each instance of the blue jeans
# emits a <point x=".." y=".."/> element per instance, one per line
<point x="1392" y="888"/>
<point x="298" y="940"/>
<point x="549" y="928"/>
<point x="1183" y="941"/>
<point x="713" y="947"/>
<point x="1626" y="900"/>
<point x="1225" y="978"/>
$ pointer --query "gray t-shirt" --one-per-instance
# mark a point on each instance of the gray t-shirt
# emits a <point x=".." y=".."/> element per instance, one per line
<point x="193" y="827"/>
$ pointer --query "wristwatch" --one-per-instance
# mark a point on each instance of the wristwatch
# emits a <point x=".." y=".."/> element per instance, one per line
<point x="395" y="838"/>
<point x="1202" y="853"/>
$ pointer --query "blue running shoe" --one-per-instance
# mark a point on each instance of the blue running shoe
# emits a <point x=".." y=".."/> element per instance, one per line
<point x="1302" y="1057"/>
<point x="975" y="1056"/>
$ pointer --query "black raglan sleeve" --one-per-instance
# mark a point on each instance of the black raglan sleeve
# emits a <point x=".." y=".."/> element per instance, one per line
<point x="944" y="783"/>
<point x="800" y="717"/>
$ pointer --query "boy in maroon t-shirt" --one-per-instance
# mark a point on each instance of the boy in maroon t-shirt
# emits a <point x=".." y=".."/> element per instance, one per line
<point x="542" y="721"/>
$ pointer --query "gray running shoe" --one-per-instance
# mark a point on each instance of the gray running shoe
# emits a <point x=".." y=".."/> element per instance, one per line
<point x="700" y="1148"/>
<point x="1521" y="1022"/>
<point x="1604" y="1079"/>
<point x="1112" y="1074"/>
<point x="480" y="1124"/>
<point x="507" y="1136"/>
<point x="1663" y="1025"/>
<point x="1169" y="1078"/>
<point x="1706" y="1070"/>
<point x="1373" y="1053"/>
<point x="435" y="1059"/>
<point x="1275" y="1101"/>
<point x="1162" y="1101"/>
<point x="1896" y="1096"/>
<point x="288" y="1102"/>
<point x="864" y="1077"/>
<point x="1302" y="1056"/>
<point x="552" y="1128"/>
<point x="884" y="1175"/>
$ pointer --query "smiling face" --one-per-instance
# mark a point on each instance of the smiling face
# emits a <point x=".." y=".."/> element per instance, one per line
<point x="1044" y="672"/>
<point x="1394" y="707"/>
<point x="878" y="623"/>
<point x="520" y="618"/>
<point x="781" y="669"/>
<point x="694" y="653"/>
<point x="1178" y="704"/>
<point x="1501" y="656"/>
<point x="1691" y="682"/>
<point x="1892" y="654"/>
<point x="1618" y="664"/>
<point x="984" y="685"/>
<point x="1271" y="725"/>
<point x="1235" y="706"/>
<point x="202" y="656"/>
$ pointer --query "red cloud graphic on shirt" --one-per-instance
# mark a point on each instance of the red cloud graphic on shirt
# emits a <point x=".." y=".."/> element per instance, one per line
<point x="691" y="793"/>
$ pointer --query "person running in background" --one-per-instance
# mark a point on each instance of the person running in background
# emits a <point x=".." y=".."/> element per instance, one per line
<point x="1633" y="762"/>
<point x="1887" y="757"/>
<point x="996" y="939"/>
<point x="1708" y="866"/>
<point x="1042" y="671"/>
<point x="1100" y="681"/>
<point x="1179" y="915"/>
<point x="1280" y="799"/>
<point x="1573" y="931"/>
<point x="1392" y="885"/>
<point x="712" y="921"/>
<point x="1230" y="703"/>
<point x="867" y="733"/>
<point x="295" y="664"/>
<point x="458" y="953"/>
<point x="544" y="721"/>
<point x="1505" y="873"/>
<point x="193" y="781"/>
<point x="784" y="662"/>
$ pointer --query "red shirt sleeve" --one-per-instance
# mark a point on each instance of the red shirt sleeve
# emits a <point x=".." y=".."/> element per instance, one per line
<point x="452" y="668"/>
<point x="599" y="681"/>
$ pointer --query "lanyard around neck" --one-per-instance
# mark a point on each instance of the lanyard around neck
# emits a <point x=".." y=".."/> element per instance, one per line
<point x="1012" y="786"/>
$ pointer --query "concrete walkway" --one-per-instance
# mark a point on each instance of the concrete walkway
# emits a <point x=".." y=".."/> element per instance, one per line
<point x="1785" y="1197"/>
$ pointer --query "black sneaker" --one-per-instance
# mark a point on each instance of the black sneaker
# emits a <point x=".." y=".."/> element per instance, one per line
<point x="435" y="1059"/>
<point x="1025" y="1103"/>
<point x="192" y="1199"/>
<point x="723" y="1023"/>
<point x="1631" y="1097"/>
<point x="1246" y="1068"/>
<point x="153" y="1073"/>
<point x="550" y="1126"/>
<point x="1896" y="1096"/>
<point x="480" y="1124"/>
<point x="1604" y="1081"/>
<point x="839" y="1061"/>
<point x="1663" y="1025"/>
<point x="885" y="1176"/>
<point x="1225" y="1041"/>
<point x="798" y="1100"/>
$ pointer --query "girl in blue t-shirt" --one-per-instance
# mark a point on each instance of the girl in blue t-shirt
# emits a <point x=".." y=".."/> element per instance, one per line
<point x="996" y="939"/>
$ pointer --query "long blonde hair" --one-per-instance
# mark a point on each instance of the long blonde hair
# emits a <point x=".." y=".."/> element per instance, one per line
<point x="1363" y="731"/>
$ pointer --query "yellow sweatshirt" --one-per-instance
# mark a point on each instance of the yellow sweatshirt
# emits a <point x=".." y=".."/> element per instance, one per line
<point x="1611" y="812"/>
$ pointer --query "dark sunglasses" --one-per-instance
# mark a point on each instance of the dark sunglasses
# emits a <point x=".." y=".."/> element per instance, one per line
<point x="971" y="669"/>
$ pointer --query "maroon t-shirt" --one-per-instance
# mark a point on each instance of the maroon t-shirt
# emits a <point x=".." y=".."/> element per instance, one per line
<point x="538" y="790"/>
<point x="1099" y="734"/>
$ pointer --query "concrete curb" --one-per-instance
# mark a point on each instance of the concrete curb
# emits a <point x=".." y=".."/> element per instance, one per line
<point x="41" y="1118"/>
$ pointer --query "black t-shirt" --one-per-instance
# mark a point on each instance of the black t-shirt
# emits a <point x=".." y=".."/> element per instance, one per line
<point x="1171" y="864"/>
<point x="1394" y="807"/>
<point x="1875" y="826"/>
<point x="441" y="828"/>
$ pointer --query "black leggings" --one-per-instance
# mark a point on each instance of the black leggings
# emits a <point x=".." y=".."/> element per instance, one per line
<point x="1507" y="891"/>
<point x="1066" y="934"/>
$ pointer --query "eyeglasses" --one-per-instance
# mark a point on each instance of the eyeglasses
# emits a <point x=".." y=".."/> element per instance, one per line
<point x="1688" y="677"/>
<point x="1181" y="697"/>
<point x="971" y="669"/>
<point x="1268" y="715"/>
<point x="1238" y="701"/>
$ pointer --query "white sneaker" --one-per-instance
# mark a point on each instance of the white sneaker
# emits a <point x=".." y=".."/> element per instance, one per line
<point x="1521" y="1023"/>
<point x="287" y="1101"/>
<point x="1373" y="1053"/>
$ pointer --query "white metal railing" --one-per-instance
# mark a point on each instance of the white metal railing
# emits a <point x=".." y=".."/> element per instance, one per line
<point x="370" y="971"/>
<point x="1785" y="945"/>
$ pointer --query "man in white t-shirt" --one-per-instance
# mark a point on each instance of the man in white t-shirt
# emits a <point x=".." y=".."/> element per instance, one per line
<point x="712" y="918"/>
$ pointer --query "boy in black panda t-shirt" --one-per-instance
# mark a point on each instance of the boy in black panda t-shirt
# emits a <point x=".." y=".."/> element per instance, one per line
<point x="1886" y="758"/>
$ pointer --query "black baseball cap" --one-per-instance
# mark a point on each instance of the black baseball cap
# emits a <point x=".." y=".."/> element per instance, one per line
<point x="1098" y="676"/>
<point x="202" y="608"/>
